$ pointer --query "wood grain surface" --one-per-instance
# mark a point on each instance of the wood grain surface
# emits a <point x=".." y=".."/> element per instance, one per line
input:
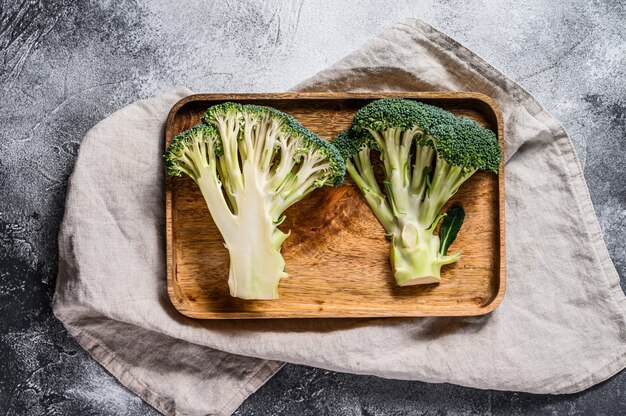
<point x="337" y="256"/>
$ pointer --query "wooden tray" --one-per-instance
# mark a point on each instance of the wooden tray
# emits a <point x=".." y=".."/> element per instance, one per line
<point x="337" y="256"/>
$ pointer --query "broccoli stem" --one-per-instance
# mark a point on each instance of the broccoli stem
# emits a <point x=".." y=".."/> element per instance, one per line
<point x="251" y="237"/>
<point x="445" y="183"/>
<point x="421" y="170"/>
<point x="415" y="256"/>
<point x="374" y="197"/>
<point x="256" y="265"/>
<point x="396" y="152"/>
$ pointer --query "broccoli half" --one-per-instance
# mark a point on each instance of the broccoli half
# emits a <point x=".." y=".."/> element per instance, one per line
<point x="426" y="154"/>
<point x="251" y="163"/>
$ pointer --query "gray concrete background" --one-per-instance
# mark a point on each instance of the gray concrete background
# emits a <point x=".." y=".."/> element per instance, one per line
<point x="65" y="65"/>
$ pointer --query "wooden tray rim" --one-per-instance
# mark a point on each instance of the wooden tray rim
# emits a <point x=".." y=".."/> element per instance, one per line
<point x="444" y="311"/>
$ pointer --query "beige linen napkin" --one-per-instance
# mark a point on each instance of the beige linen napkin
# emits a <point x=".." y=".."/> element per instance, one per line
<point x="561" y="327"/>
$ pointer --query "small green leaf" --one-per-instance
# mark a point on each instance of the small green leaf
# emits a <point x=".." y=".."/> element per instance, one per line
<point x="450" y="227"/>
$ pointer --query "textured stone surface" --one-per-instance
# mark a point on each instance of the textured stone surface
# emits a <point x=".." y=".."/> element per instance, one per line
<point x="65" y="65"/>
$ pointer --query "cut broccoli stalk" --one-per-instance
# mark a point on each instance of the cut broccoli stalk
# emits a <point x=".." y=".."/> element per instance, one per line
<point x="426" y="154"/>
<point x="251" y="163"/>
<point x="415" y="256"/>
<point x="252" y="239"/>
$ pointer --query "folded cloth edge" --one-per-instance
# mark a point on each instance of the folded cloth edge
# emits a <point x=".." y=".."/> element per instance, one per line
<point x="108" y="359"/>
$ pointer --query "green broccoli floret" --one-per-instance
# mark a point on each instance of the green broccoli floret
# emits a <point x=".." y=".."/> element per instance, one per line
<point x="251" y="163"/>
<point x="426" y="154"/>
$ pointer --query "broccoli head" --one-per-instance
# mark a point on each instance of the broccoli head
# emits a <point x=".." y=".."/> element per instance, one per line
<point x="426" y="154"/>
<point x="251" y="163"/>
